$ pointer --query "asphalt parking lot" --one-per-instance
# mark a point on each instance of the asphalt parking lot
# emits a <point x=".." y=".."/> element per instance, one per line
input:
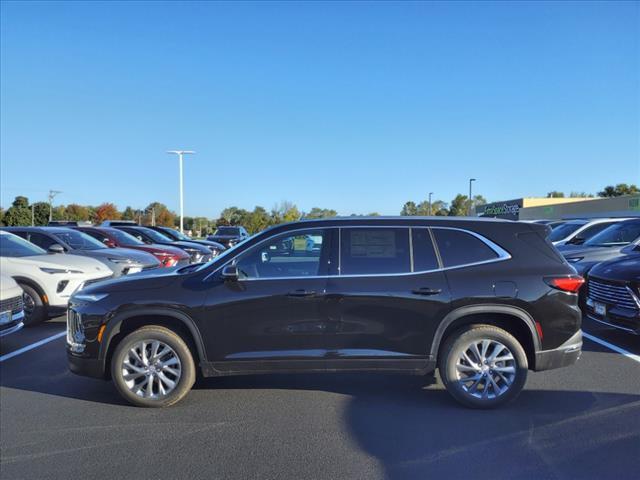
<point x="578" y="422"/>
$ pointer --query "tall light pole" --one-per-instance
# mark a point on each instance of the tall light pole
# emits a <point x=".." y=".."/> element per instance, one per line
<point x="52" y="194"/>
<point x="471" y="180"/>
<point x="180" y="154"/>
<point x="430" y="193"/>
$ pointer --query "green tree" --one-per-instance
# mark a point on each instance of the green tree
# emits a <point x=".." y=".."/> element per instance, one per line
<point x="555" y="194"/>
<point x="129" y="214"/>
<point x="409" y="209"/>
<point x="619" y="190"/>
<point x="257" y="220"/>
<point x="19" y="213"/>
<point x="77" y="212"/>
<point x="40" y="213"/>
<point x="316" y="212"/>
<point x="459" y="206"/>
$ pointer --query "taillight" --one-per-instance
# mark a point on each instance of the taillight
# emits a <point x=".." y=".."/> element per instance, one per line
<point x="567" y="284"/>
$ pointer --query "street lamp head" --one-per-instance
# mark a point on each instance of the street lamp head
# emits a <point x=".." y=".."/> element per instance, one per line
<point x="180" y="152"/>
<point x="472" y="179"/>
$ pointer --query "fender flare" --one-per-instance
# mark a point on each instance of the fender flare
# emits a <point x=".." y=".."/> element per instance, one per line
<point x="458" y="313"/>
<point x="114" y="324"/>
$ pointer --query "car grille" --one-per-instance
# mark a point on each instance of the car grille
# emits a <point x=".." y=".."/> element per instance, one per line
<point x="14" y="304"/>
<point x="75" y="332"/>
<point x="618" y="295"/>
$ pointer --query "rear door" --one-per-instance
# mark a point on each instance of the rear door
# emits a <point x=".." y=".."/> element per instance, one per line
<point x="388" y="295"/>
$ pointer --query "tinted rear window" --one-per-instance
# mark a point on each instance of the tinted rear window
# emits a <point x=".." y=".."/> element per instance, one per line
<point x="461" y="248"/>
<point x="424" y="256"/>
<point x="367" y="251"/>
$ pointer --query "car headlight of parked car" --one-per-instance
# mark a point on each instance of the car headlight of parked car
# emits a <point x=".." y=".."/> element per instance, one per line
<point x="119" y="260"/>
<point x="574" y="259"/>
<point x="53" y="271"/>
<point x="89" y="297"/>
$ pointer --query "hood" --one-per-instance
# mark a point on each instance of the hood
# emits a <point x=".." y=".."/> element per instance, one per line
<point x="149" y="279"/>
<point x="156" y="248"/>
<point x="209" y="243"/>
<point x="9" y="288"/>
<point x="135" y="256"/>
<point x="598" y="254"/>
<point x="71" y="262"/>
<point x="184" y="244"/>
<point x="625" y="269"/>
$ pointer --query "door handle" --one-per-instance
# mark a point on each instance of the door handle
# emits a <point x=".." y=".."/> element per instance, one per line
<point x="301" y="293"/>
<point x="426" y="291"/>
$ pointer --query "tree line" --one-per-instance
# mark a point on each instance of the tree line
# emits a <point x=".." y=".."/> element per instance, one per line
<point x="22" y="212"/>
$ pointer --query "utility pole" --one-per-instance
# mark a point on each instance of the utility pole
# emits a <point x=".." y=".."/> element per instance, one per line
<point x="52" y="195"/>
<point x="33" y="216"/>
<point x="471" y="180"/>
<point x="430" y="193"/>
<point x="180" y="154"/>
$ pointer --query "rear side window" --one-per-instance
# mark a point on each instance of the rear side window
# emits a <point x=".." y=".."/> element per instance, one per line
<point x="461" y="248"/>
<point x="424" y="256"/>
<point x="370" y="251"/>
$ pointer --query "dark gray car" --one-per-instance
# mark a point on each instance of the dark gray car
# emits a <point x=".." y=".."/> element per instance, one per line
<point x="121" y="261"/>
<point x="611" y="243"/>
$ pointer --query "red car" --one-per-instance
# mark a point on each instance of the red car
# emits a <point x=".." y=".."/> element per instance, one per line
<point x="112" y="237"/>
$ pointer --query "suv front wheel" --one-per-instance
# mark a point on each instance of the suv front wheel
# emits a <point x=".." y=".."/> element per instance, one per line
<point x="483" y="366"/>
<point x="153" y="367"/>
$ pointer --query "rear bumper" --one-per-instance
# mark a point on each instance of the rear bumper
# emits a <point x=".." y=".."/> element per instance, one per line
<point x="566" y="354"/>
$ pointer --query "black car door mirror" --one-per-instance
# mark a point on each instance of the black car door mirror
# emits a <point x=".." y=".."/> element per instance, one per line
<point x="55" y="248"/>
<point x="230" y="272"/>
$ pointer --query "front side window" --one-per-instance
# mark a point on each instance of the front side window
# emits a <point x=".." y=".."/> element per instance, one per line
<point x="461" y="248"/>
<point x="299" y="254"/>
<point x="564" y="230"/>
<point x="14" y="246"/>
<point x="41" y="240"/>
<point x="621" y="233"/>
<point x="372" y="251"/>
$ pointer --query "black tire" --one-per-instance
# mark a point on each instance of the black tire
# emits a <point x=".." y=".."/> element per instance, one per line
<point x="170" y="339"/>
<point x="35" y="310"/>
<point x="453" y="348"/>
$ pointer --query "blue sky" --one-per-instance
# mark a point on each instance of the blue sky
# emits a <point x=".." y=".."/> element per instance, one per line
<point x="352" y="106"/>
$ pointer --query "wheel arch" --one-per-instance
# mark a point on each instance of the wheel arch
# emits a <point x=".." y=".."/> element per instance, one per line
<point x="502" y="316"/>
<point x="122" y="324"/>
<point x="35" y="285"/>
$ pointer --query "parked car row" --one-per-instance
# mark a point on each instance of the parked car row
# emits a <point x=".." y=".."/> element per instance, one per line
<point x="606" y="252"/>
<point x="50" y="263"/>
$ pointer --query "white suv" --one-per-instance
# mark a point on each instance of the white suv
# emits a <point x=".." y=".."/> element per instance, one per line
<point x="47" y="280"/>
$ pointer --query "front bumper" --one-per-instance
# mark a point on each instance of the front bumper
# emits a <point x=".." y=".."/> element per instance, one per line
<point x="87" y="367"/>
<point x="11" y="329"/>
<point x="566" y="354"/>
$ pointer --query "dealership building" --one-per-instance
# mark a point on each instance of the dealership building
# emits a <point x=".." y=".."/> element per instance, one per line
<point x="562" y="208"/>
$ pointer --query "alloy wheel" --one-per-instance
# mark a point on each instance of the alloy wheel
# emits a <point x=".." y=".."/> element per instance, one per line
<point x="151" y="369"/>
<point x="486" y="369"/>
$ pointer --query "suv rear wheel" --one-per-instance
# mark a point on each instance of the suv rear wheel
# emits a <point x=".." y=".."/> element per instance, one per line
<point x="483" y="366"/>
<point x="153" y="367"/>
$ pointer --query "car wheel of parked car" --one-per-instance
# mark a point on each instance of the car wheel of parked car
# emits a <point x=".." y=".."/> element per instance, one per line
<point x="153" y="367"/>
<point x="35" y="311"/>
<point x="483" y="366"/>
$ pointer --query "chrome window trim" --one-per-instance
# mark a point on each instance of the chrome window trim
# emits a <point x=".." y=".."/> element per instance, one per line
<point x="501" y="252"/>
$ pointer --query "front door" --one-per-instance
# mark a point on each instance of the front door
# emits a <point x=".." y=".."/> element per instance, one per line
<point x="276" y="309"/>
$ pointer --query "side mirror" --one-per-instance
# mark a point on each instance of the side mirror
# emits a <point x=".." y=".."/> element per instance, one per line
<point x="231" y="273"/>
<point x="56" y="248"/>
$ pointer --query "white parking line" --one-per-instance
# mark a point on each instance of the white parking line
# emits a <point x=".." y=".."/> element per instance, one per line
<point x="611" y="346"/>
<point x="32" y="346"/>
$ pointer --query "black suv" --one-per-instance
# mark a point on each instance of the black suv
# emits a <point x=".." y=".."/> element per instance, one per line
<point x="482" y="300"/>
<point x="229" y="236"/>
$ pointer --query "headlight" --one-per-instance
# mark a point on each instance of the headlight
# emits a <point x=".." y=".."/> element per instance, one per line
<point x="59" y="270"/>
<point x="119" y="260"/>
<point x="89" y="297"/>
<point x="574" y="259"/>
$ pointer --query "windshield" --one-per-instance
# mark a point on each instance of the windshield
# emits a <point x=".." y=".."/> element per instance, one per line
<point x="14" y="246"/>
<point x="175" y="234"/>
<point x="78" y="240"/>
<point x="123" y="238"/>
<point x="153" y="235"/>
<point x="563" y="230"/>
<point x="226" y="253"/>
<point x="621" y="233"/>
<point x="227" y="231"/>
